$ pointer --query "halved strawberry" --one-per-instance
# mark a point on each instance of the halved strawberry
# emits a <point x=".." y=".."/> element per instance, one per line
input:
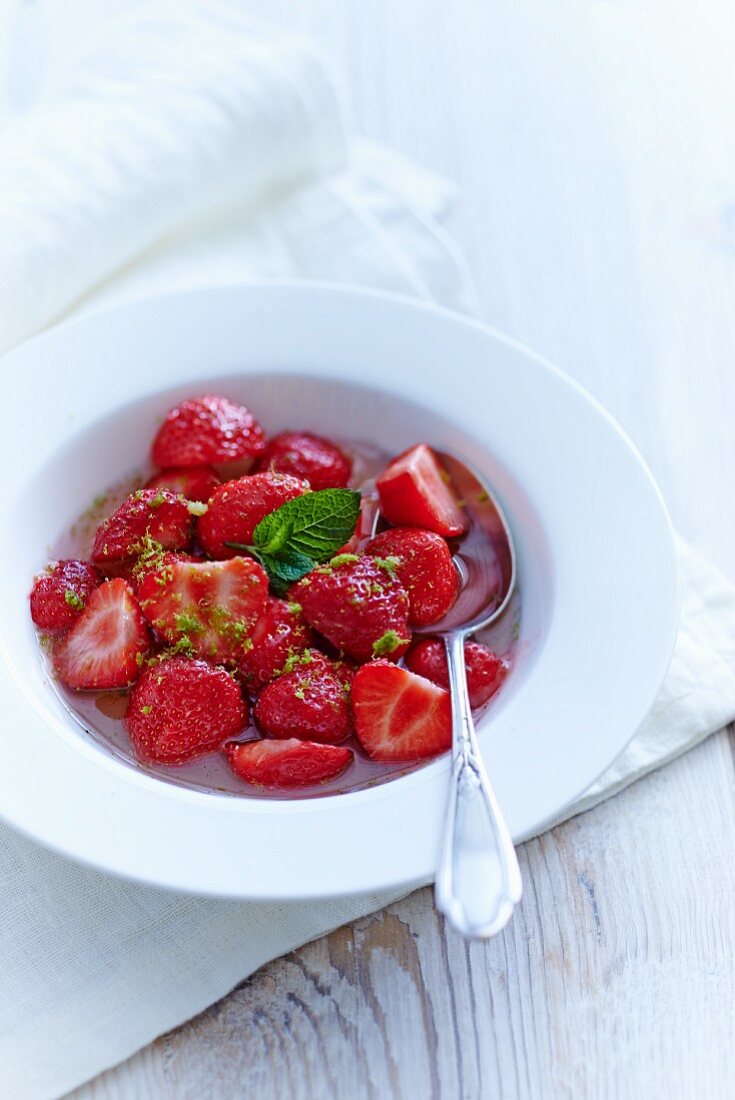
<point x="414" y="492"/>
<point x="358" y="605"/>
<point x="183" y="708"/>
<point x="280" y="633"/>
<point x="60" y="594"/>
<point x="192" y="482"/>
<point x="207" y="431"/>
<point x="237" y="507"/>
<point x="304" y="455"/>
<point x="485" y="670"/>
<point x="398" y="715"/>
<point x="286" y="764"/>
<point x="146" y="515"/>
<point x="311" y="702"/>
<point x="207" y="608"/>
<point x="106" y="646"/>
<point x="424" y="567"/>
<point x="153" y="560"/>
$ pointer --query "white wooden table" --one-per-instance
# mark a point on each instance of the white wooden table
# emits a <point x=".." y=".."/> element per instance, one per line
<point x="595" y="152"/>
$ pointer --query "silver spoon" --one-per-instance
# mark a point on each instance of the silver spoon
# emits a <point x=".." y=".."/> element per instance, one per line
<point x="478" y="880"/>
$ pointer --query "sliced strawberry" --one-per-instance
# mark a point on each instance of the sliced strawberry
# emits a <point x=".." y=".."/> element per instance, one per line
<point x="485" y="670"/>
<point x="192" y="482"/>
<point x="311" y="702"/>
<point x="106" y="646"/>
<point x="281" y="633"/>
<point x="424" y="567"/>
<point x="207" y="431"/>
<point x="153" y="560"/>
<point x="60" y="594"/>
<point x="414" y="492"/>
<point x="183" y="708"/>
<point x="358" y="605"/>
<point x="237" y="507"/>
<point x="207" y="608"/>
<point x="148" y="515"/>
<point x="304" y="455"/>
<point x="288" y="764"/>
<point x="398" y="715"/>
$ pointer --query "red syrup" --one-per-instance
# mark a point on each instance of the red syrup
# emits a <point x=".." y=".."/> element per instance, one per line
<point x="100" y="713"/>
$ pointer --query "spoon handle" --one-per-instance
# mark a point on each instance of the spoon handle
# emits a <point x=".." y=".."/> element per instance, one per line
<point x="478" y="881"/>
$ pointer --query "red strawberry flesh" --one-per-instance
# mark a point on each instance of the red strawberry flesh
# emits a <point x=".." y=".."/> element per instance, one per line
<point x="237" y="507"/>
<point x="108" y="643"/>
<point x="400" y="716"/>
<point x="424" y="566"/>
<point x="286" y="765"/>
<point x="208" y="607"/>
<point x="281" y="633"/>
<point x="358" y="605"/>
<point x="207" y="431"/>
<point x="485" y="670"/>
<point x="304" y="455"/>
<point x="148" y="515"/>
<point x="60" y="594"/>
<point x="310" y="703"/>
<point x="192" y="482"/>
<point x="414" y="492"/>
<point x="182" y="708"/>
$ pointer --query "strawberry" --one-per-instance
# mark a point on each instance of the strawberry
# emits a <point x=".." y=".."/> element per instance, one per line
<point x="286" y="764"/>
<point x="304" y="455"/>
<point x="485" y="670"/>
<point x="280" y="633"/>
<point x="424" y="567"/>
<point x="207" y="431"/>
<point x="147" y="514"/>
<point x="358" y="605"/>
<point x="398" y="715"/>
<point x="152" y="560"/>
<point x="237" y="507"/>
<point x="182" y="708"/>
<point x="192" y="482"/>
<point x="311" y="703"/>
<point x="207" y="608"/>
<point x="60" y="593"/>
<point x="413" y="492"/>
<point x="106" y="646"/>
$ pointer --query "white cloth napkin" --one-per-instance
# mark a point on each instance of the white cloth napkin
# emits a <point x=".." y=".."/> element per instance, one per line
<point x="191" y="145"/>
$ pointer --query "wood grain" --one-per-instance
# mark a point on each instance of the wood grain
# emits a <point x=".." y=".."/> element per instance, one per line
<point x="594" y="152"/>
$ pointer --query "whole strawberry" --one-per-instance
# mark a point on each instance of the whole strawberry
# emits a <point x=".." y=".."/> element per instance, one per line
<point x="280" y="633"/>
<point x="485" y="670"/>
<point x="237" y="507"/>
<point x="146" y="516"/>
<point x="424" y="567"/>
<point x="192" y="482"/>
<point x="107" y="644"/>
<point x="207" y="431"/>
<point x="182" y="708"/>
<point x="60" y="594"/>
<point x="312" y="703"/>
<point x="304" y="455"/>
<point x="358" y="605"/>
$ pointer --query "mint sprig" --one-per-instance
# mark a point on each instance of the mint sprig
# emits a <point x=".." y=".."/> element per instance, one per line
<point x="302" y="533"/>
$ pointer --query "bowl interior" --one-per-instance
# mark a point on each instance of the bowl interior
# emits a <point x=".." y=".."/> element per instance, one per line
<point x="117" y="445"/>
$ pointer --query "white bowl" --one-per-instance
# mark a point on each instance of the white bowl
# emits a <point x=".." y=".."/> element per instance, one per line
<point x="596" y="565"/>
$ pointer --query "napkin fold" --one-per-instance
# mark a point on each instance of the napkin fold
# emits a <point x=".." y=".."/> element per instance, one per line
<point x="190" y="144"/>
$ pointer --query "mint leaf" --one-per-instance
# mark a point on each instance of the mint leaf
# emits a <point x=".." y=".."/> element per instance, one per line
<point x="285" y="568"/>
<point x="314" y="525"/>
